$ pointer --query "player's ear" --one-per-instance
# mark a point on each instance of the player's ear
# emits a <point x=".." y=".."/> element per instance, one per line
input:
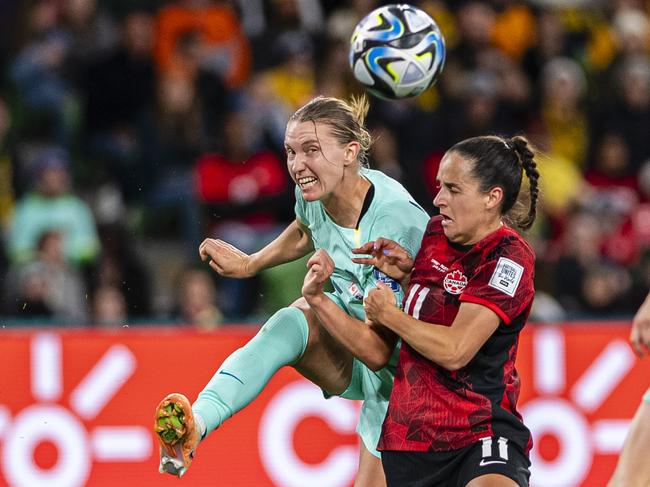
<point x="351" y="152"/>
<point x="493" y="198"/>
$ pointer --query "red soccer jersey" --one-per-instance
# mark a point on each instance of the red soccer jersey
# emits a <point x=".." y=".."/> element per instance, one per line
<point x="431" y="407"/>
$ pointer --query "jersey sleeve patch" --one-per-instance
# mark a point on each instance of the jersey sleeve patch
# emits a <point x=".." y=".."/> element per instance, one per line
<point x="506" y="276"/>
<point x="384" y="279"/>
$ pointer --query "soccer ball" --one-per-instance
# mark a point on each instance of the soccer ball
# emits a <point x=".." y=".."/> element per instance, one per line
<point x="397" y="51"/>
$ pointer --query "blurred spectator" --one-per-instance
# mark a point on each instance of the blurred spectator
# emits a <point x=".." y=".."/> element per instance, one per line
<point x="6" y="167"/>
<point x="612" y="168"/>
<point x="476" y="22"/>
<point x="109" y="307"/>
<point x="120" y="267"/>
<point x="342" y="21"/>
<point x="92" y="29"/>
<point x="38" y="73"/>
<point x="605" y="289"/>
<point x="480" y="109"/>
<point x="292" y="81"/>
<point x="475" y="26"/>
<point x="265" y="116"/>
<point x="9" y="12"/>
<point x="630" y="115"/>
<point x="586" y="281"/>
<point x="581" y="250"/>
<point x="514" y="29"/>
<point x="384" y="153"/>
<point x="52" y="206"/>
<point x="119" y="88"/>
<point x="562" y="186"/>
<point x="28" y="299"/>
<point x="181" y="137"/>
<point x="550" y="43"/>
<point x="331" y="80"/>
<point x="6" y="190"/>
<point x="561" y="113"/>
<point x="282" y="16"/>
<point x="224" y="48"/>
<point x="614" y="196"/>
<point x="632" y="31"/>
<point x="246" y="192"/>
<point x="197" y="298"/>
<point x="48" y="284"/>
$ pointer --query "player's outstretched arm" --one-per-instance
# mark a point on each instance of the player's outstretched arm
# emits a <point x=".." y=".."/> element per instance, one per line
<point x="387" y="256"/>
<point x="294" y="242"/>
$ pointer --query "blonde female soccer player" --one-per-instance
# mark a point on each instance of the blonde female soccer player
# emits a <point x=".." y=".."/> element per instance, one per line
<point x="340" y="204"/>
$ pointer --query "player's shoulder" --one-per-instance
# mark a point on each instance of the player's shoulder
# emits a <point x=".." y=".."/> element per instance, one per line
<point x="386" y="188"/>
<point x="391" y="197"/>
<point x="514" y="240"/>
<point x="507" y="243"/>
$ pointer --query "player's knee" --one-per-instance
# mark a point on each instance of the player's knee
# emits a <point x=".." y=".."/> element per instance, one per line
<point x="288" y="326"/>
<point x="285" y="319"/>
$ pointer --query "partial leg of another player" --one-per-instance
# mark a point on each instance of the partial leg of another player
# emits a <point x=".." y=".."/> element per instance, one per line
<point x="492" y="480"/>
<point x="370" y="473"/>
<point x="633" y="468"/>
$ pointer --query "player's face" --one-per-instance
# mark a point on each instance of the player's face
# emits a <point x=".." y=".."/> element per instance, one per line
<point x="461" y="203"/>
<point x="316" y="160"/>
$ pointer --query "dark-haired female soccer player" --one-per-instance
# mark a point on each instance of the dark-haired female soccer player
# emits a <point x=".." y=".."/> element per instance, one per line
<point x="452" y="418"/>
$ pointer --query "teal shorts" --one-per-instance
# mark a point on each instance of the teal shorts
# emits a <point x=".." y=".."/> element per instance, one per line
<point x="373" y="388"/>
<point x="646" y="396"/>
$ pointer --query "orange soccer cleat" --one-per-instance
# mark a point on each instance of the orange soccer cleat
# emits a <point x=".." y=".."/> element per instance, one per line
<point x="177" y="433"/>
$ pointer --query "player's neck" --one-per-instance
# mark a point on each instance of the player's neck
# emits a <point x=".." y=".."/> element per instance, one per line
<point x="344" y="206"/>
<point x="485" y="231"/>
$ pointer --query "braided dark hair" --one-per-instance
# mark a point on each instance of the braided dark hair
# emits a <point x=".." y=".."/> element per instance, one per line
<point x="527" y="158"/>
<point x="500" y="162"/>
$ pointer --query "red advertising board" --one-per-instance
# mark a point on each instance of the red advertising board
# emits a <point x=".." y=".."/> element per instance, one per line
<point x="76" y="409"/>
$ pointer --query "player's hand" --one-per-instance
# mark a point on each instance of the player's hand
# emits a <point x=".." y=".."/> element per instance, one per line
<point x="320" y="267"/>
<point x="378" y="300"/>
<point x="387" y="256"/>
<point x="224" y="258"/>
<point x="640" y="334"/>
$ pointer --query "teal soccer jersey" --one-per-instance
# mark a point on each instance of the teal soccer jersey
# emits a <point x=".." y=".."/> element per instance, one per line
<point x="392" y="214"/>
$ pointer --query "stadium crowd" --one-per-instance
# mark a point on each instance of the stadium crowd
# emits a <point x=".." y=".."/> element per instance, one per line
<point x="127" y="134"/>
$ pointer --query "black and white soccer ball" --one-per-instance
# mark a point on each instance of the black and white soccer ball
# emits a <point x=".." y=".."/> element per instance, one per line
<point x="397" y="51"/>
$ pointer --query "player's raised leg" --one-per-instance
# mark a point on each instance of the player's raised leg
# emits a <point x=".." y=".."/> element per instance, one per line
<point x="292" y="336"/>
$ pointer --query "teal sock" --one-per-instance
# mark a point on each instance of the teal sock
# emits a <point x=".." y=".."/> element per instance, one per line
<point x="242" y="376"/>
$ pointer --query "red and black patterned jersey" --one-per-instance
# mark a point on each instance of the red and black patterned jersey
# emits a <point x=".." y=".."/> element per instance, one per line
<point x="432" y="408"/>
